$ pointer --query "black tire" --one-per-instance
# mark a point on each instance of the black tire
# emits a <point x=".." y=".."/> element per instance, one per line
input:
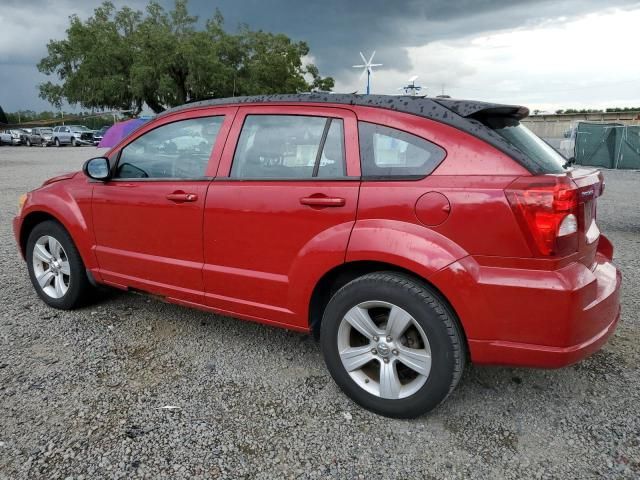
<point x="57" y="142"/>
<point x="446" y="341"/>
<point x="79" y="288"/>
<point x="28" y="142"/>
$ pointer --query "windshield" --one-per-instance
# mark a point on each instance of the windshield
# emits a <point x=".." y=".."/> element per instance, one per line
<point x="46" y="131"/>
<point x="80" y="128"/>
<point x="528" y="143"/>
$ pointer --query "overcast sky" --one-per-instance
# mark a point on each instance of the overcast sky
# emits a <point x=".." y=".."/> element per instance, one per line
<point x="543" y="54"/>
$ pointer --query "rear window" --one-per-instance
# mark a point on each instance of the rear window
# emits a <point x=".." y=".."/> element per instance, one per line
<point x="520" y="137"/>
<point x="389" y="153"/>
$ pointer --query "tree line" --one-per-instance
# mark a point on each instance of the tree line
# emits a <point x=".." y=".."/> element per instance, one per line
<point x="47" y="117"/>
<point x="593" y="110"/>
<point x="123" y="59"/>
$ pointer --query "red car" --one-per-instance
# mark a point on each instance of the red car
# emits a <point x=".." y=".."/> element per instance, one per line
<point x="410" y="234"/>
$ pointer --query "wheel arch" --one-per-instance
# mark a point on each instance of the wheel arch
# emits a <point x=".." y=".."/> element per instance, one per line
<point x="344" y="273"/>
<point x="29" y="223"/>
<point x="79" y="234"/>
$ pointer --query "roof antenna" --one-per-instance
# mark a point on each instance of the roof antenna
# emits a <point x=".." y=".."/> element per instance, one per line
<point x="368" y="69"/>
<point x="411" y="88"/>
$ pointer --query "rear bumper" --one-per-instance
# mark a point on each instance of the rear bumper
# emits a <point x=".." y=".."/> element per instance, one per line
<point x="542" y="356"/>
<point x="534" y="318"/>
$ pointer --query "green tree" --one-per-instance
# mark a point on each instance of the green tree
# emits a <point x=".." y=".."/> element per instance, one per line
<point x="122" y="59"/>
<point x="3" y="117"/>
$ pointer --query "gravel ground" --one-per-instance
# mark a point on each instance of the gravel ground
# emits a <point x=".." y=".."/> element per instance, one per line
<point x="81" y="393"/>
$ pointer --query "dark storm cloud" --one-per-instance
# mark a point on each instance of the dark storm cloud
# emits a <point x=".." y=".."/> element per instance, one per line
<point x="334" y="29"/>
<point x="337" y="29"/>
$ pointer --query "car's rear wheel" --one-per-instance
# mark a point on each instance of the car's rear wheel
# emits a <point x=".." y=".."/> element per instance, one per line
<point x="392" y="345"/>
<point x="55" y="266"/>
<point x="28" y="142"/>
<point x="73" y="142"/>
<point x="57" y="142"/>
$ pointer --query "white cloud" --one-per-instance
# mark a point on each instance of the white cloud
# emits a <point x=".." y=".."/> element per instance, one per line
<point x="584" y="62"/>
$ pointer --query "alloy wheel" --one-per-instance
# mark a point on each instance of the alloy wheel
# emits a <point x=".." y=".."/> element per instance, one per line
<point x="51" y="267"/>
<point x="384" y="349"/>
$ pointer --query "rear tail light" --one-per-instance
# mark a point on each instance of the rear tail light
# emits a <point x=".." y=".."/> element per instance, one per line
<point x="547" y="209"/>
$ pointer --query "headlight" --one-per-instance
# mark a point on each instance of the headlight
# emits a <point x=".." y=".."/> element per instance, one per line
<point x="21" y="201"/>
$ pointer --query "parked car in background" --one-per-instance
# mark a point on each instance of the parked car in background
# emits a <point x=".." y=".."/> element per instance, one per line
<point x="24" y="133"/>
<point x="74" y="135"/>
<point x="10" y="137"/>
<point x="410" y="234"/>
<point x="98" y="135"/>
<point x="41" y="136"/>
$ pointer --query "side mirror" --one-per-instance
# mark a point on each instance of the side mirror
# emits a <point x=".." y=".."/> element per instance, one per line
<point x="97" y="169"/>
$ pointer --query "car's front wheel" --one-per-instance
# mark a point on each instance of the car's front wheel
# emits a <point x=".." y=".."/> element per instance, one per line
<point x="392" y="345"/>
<point x="55" y="266"/>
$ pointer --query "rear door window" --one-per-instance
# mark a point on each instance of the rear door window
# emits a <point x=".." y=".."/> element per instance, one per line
<point x="289" y="147"/>
<point x="390" y="153"/>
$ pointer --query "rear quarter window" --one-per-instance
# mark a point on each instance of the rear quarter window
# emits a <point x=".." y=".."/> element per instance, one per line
<point x="388" y="153"/>
<point x="528" y="143"/>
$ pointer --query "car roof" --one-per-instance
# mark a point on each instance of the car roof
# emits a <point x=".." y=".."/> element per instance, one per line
<point x="428" y="107"/>
<point x="464" y="115"/>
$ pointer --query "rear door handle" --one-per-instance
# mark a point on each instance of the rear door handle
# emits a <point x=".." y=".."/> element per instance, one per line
<point x="323" y="201"/>
<point x="180" y="197"/>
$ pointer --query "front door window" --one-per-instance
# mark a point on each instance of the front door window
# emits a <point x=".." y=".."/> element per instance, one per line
<point x="174" y="150"/>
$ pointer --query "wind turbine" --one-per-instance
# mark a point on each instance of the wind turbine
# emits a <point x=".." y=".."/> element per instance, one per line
<point x="411" y="88"/>
<point x="368" y="69"/>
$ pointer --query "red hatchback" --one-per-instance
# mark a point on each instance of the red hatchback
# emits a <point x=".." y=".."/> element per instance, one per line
<point x="409" y="234"/>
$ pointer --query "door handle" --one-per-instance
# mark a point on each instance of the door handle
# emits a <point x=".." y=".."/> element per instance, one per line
<point x="323" y="201"/>
<point x="180" y="197"/>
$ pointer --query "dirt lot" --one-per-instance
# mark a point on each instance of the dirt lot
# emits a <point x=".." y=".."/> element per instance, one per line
<point x="81" y="392"/>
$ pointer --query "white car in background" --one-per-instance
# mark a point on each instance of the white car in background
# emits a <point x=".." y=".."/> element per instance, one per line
<point x="74" y="135"/>
<point x="10" y="137"/>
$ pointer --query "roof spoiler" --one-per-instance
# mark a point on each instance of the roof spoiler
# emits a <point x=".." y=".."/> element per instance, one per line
<point x="481" y="109"/>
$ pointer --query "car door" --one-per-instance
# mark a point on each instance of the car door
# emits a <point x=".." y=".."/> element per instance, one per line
<point x="63" y="135"/>
<point x="280" y="210"/>
<point x="148" y="218"/>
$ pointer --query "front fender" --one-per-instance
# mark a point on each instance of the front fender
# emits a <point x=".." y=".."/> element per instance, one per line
<point x="407" y="245"/>
<point x="68" y="202"/>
